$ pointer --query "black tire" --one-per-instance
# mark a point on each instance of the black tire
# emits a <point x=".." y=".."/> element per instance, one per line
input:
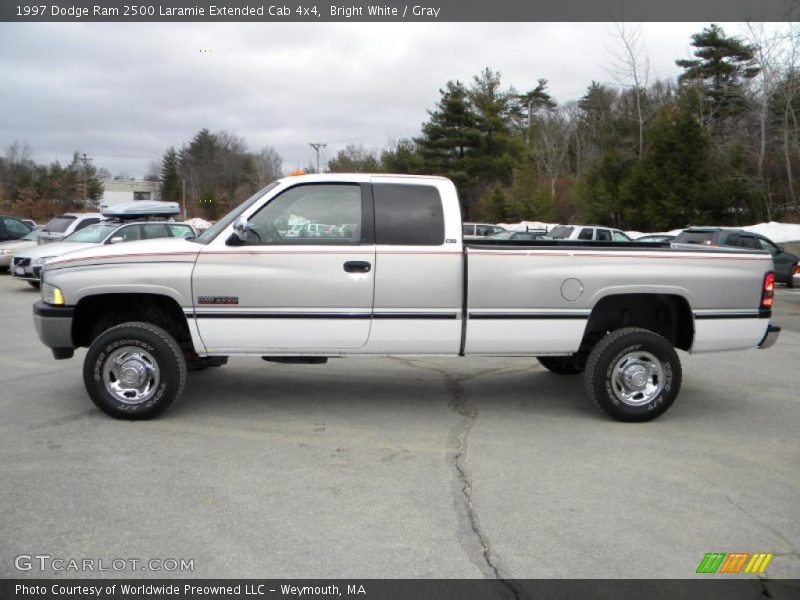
<point x="154" y="347"/>
<point x="563" y="365"/>
<point x="639" y="349"/>
<point x="34" y="284"/>
<point x="790" y="280"/>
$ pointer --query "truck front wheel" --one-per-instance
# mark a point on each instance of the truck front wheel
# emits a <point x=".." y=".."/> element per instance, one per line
<point x="633" y="374"/>
<point x="134" y="371"/>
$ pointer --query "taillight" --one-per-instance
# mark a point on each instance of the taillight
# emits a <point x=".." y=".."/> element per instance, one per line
<point x="768" y="291"/>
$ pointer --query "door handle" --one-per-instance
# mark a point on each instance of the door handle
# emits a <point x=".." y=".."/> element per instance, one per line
<point x="357" y="266"/>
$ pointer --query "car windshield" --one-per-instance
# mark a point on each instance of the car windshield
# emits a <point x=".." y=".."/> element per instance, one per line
<point x="32" y="235"/>
<point x="59" y="224"/>
<point x="212" y="232"/>
<point x="93" y="234"/>
<point x="561" y="232"/>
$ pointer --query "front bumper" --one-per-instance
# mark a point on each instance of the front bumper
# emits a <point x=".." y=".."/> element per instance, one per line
<point x="773" y="331"/>
<point x="54" y="327"/>
<point x="28" y="273"/>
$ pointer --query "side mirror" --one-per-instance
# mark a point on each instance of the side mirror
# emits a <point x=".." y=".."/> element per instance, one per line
<point x="116" y="239"/>
<point x="239" y="235"/>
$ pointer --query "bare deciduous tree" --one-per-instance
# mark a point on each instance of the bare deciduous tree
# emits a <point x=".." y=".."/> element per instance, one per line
<point x="632" y="69"/>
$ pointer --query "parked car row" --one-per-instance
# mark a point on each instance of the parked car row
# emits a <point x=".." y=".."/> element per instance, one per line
<point x="75" y="231"/>
<point x="787" y="265"/>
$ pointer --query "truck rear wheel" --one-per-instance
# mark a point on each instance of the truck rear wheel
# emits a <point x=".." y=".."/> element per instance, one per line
<point x="563" y="365"/>
<point x="633" y="374"/>
<point x="134" y="371"/>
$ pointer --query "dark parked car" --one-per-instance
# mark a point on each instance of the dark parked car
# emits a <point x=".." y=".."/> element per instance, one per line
<point x="12" y="228"/>
<point x="785" y="263"/>
<point x="660" y="238"/>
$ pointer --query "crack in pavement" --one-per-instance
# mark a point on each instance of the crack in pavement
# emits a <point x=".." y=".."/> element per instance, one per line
<point x="475" y="542"/>
<point x="768" y="527"/>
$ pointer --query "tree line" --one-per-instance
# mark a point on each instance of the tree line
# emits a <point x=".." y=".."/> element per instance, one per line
<point x="720" y="143"/>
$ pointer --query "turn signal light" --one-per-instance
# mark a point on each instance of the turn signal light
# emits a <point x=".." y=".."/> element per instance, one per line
<point x="768" y="293"/>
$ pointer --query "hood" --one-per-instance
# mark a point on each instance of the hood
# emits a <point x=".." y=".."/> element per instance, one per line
<point x="56" y="249"/>
<point x="17" y="244"/>
<point x="157" y="250"/>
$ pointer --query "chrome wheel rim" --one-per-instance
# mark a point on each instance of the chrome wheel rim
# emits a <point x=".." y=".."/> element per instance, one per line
<point x="637" y="378"/>
<point x="131" y="375"/>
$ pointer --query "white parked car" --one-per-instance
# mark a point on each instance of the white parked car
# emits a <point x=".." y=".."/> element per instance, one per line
<point x="588" y="233"/>
<point x="61" y="226"/>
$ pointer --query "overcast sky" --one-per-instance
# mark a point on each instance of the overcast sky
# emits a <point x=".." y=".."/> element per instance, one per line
<point x="123" y="92"/>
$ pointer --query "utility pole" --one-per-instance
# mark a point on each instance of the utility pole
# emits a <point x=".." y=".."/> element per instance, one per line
<point x="183" y="198"/>
<point x="317" y="146"/>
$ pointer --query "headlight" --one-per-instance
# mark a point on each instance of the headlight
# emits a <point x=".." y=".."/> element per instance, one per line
<point x="7" y="252"/>
<point x="52" y="295"/>
<point x="41" y="260"/>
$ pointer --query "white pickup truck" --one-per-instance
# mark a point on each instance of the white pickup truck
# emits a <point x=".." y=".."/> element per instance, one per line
<point x="392" y="276"/>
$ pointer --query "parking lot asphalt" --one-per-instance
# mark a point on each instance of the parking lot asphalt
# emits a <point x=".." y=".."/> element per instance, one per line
<point x="392" y="468"/>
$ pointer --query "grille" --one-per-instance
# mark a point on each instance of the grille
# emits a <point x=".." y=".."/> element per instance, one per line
<point x="21" y="262"/>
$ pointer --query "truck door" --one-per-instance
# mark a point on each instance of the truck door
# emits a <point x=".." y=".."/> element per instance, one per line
<point x="419" y="268"/>
<point x="282" y="293"/>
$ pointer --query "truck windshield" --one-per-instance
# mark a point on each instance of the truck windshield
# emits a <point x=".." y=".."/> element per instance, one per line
<point x="212" y="232"/>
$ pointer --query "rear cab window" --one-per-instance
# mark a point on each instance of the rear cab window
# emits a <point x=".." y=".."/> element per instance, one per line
<point x="408" y="215"/>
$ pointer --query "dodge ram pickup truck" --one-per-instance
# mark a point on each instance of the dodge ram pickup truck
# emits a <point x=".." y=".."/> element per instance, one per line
<point x="390" y="274"/>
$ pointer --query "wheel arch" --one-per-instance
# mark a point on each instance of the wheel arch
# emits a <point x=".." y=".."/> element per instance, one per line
<point x="668" y="314"/>
<point x="96" y="313"/>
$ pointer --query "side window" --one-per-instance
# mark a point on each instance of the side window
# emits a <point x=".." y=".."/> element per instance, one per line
<point x="468" y="230"/>
<point x="86" y="223"/>
<point x="409" y="215"/>
<point x="585" y="234"/>
<point x="768" y="246"/>
<point x="131" y="233"/>
<point x="327" y="213"/>
<point x="152" y="231"/>
<point x="604" y="235"/>
<point x="750" y="242"/>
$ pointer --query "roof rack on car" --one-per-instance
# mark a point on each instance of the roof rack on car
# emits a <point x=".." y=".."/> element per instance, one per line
<point x="140" y="209"/>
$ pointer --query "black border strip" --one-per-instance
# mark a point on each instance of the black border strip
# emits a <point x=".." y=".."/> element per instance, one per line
<point x="529" y="316"/>
<point x="708" y="316"/>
